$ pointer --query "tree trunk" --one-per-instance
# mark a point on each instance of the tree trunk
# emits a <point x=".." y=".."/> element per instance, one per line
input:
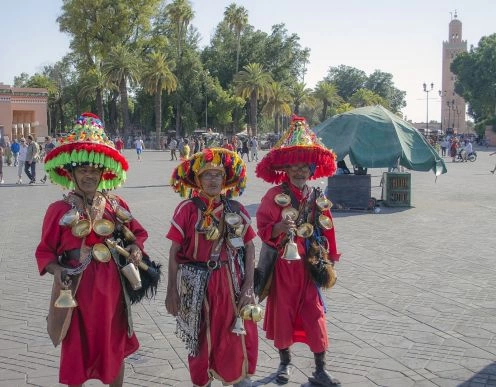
<point x="276" y="123"/>
<point x="99" y="105"/>
<point x="324" y="111"/>
<point x="158" y="116"/>
<point x="124" y="106"/>
<point x="178" y="118"/>
<point x="253" y="113"/>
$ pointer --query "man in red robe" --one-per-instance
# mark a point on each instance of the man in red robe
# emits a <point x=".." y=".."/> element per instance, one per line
<point x="211" y="236"/>
<point x="96" y="332"/>
<point x="295" y="308"/>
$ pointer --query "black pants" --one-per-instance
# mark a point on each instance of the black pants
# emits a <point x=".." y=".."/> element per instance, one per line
<point x="30" y="170"/>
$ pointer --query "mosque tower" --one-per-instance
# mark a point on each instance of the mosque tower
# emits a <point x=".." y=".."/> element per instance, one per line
<point x="453" y="106"/>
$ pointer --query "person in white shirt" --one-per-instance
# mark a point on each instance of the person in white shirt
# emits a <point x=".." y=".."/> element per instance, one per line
<point x="140" y="145"/>
<point x="23" y="150"/>
<point x="467" y="149"/>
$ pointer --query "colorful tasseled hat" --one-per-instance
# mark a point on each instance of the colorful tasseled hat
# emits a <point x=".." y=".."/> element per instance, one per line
<point x="86" y="144"/>
<point x="297" y="145"/>
<point x="184" y="178"/>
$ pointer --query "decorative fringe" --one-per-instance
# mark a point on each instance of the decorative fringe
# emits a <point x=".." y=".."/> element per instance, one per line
<point x="319" y="266"/>
<point x="150" y="280"/>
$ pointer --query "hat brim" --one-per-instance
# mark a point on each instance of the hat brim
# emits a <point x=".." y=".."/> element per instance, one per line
<point x="272" y="167"/>
<point x="60" y="161"/>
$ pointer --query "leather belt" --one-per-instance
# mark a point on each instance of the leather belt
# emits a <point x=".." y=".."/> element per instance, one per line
<point x="210" y="264"/>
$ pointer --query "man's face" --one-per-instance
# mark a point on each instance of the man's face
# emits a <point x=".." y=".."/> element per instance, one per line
<point x="87" y="179"/>
<point x="212" y="182"/>
<point x="298" y="174"/>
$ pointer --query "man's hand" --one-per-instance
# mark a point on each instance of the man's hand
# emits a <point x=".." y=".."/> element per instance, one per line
<point x="246" y="297"/>
<point x="135" y="254"/>
<point x="172" y="301"/>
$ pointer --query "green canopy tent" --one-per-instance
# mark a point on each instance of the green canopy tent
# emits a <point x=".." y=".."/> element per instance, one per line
<point x="374" y="137"/>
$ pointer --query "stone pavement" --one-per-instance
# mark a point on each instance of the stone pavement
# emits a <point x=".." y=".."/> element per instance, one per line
<point x="415" y="303"/>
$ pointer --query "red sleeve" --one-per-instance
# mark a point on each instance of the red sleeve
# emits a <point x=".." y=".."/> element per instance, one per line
<point x="268" y="214"/>
<point x="250" y="234"/>
<point x="334" y="255"/>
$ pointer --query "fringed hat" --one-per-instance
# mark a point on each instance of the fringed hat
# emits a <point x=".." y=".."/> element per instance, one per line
<point x="86" y="144"/>
<point x="297" y="145"/>
<point x="185" y="181"/>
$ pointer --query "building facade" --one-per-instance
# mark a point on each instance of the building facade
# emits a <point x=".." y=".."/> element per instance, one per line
<point x="23" y="112"/>
<point x="453" y="106"/>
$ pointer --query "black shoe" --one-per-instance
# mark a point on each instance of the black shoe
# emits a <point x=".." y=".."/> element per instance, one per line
<point x="324" y="378"/>
<point x="32" y="182"/>
<point x="284" y="373"/>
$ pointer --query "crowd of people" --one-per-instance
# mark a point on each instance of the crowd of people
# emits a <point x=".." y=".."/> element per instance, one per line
<point x="94" y="248"/>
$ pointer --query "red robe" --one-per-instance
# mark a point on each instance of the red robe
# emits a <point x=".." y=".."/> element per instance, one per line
<point x="97" y="340"/>
<point x="294" y="310"/>
<point x="222" y="354"/>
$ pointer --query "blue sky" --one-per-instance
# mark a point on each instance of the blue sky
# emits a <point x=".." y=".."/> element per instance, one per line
<point x="402" y="38"/>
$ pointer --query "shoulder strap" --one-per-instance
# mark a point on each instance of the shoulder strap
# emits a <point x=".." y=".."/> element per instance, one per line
<point x="287" y="191"/>
<point x="199" y="203"/>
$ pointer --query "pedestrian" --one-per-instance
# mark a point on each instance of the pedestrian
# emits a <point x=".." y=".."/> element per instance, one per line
<point x="294" y="221"/>
<point x="254" y="148"/>
<point x="93" y="320"/>
<point x="1" y="164"/>
<point x="186" y="150"/>
<point x="8" y="153"/>
<point x="139" y="145"/>
<point x="494" y="169"/>
<point x="245" y="150"/>
<point x="172" y="147"/>
<point x="23" y="150"/>
<point x="15" y="151"/>
<point x="32" y="156"/>
<point x="227" y="145"/>
<point x="213" y="252"/>
<point x="49" y="145"/>
<point x="119" y="144"/>
<point x="454" y="148"/>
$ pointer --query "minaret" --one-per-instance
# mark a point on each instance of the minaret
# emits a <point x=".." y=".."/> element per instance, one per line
<point x="453" y="106"/>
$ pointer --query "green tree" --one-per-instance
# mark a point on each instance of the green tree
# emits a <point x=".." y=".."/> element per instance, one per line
<point x="476" y="79"/>
<point x="253" y="83"/>
<point x="328" y="94"/>
<point x="301" y="94"/>
<point x="365" y="97"/>
<point x="381" y="83"/>
<point x="347" y="79"/>
<point x="278" y="104"/>
<point x="93" y="83"/>
<point x="122" y="66"/>
<point x="158" y="77"/>
<point x="236" y="18"/>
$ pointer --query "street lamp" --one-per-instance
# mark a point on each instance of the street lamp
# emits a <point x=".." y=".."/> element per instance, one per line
<point x="442" y="94"/>
<point x="427" y="91"/>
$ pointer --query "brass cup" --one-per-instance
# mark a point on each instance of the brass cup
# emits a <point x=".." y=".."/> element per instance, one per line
<point x="325" y="222"/>
<point x="212" y="234"/>
<point x="282" y="199"/>
<point x="238" y="231"/>
<point x="323" y="203"/>
<point x="305" y="230"/>
<point x="123" y="215"/>
<point x="103" y="227"/>
<point x="290" y="212"/>
<point x="245" y="312"/>
<point x="128" y="234"/>
<point x="81" y="228"/>
<point x="257" y="313"/>
<point x="101" y="253"/>
<point x="232" y="219"/>
<point x="69" y="218"/>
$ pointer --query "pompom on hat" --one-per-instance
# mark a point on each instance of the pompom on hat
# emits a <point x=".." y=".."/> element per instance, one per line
<point x="297" y="145"/>
<point x="86" y="144"/>
<point x="185" y="176"/>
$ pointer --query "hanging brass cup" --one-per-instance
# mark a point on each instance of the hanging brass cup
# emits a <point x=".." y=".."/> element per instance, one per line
<point x="69" y="218"/>
<point x="282" y="199"/>
<point x="81" y="228"/>
<point x="290" y="212"/>
<point x="212" y="234"/>
<point x="127" y="234"/>
<point x="305" y="230"/>
<point x="101" y="253"/>
<point x="123" y="215"/>
<point x="103" y="227"/>
<point x="257" y="313"/>
<point x="325" y="222"/>
<point x="323" y="203"/>
<point x="232" y="219"/>
<point x="245" y="312"/>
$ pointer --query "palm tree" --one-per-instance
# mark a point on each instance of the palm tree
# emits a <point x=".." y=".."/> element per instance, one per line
<point x="180" y="13"/>
<point x="253" y="83"/>
<point x="122" y="66"/>
<point x="158" y="77"/>
<point x="237" y="18"/>
<point x="328" y="94"/>
<point x="93" y="84"/>
<point x="300" y="95"/>
<point x="278" y="103"/>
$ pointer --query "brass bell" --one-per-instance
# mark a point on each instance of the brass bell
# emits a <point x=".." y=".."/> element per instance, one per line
<point x="305" y="230"/>
<point x="257" y="313"/>
<point x="325" y="222"/>
<point x="212" y="234"/>
<point x="123" y="214"/>
<point x="323" y="203"/>
<point x="239" y="326"/>
<point x="103" y="227"/>
<point x="82" y="228"/>
<point x="291" y="249"/>
<point x="282" y="199"/>
<point x="65" y="299"/>
<point x="290" y="212"/>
